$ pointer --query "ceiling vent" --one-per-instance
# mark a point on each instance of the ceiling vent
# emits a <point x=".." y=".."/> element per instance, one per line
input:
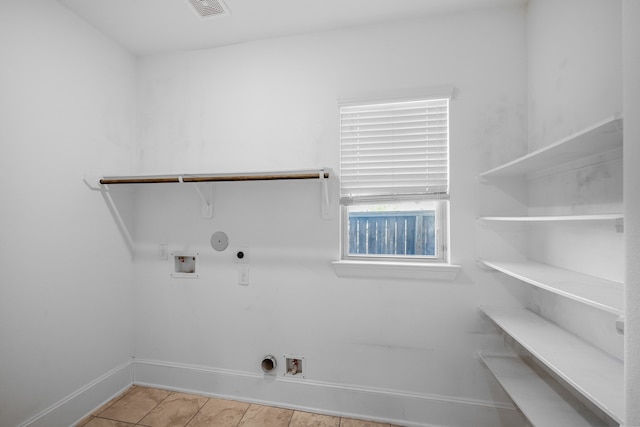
<point x="209" y="8"/>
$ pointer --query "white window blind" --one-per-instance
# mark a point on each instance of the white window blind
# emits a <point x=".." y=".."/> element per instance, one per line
<point x="394" y="150"/>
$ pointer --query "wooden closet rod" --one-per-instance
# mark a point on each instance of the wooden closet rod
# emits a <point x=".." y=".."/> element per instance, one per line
<point x="210" y="178"/>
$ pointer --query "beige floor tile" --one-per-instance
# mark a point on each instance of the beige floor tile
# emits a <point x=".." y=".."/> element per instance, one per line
<point x="307" y="419"/>
<point x="134" y="405"/>
<point x="160" y="408"/>
<point x="103" y="422"/>
<point x="348" y="422"/>
<point x="266" y="416"/>
<point x="174" y="411"/>
<point x="113" y="400"/>
<point x="219" y="413"/>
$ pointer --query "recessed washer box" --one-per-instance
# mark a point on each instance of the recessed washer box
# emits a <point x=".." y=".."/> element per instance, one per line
<point x="294" y="366"/>
<point x="185" y="265"/>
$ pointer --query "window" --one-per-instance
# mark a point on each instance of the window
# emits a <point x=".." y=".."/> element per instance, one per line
<point x="394" y="179"/>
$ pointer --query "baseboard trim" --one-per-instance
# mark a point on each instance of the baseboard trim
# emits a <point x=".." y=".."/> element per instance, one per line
<point x="337" y="399"/>
<point x="71" y="409"/>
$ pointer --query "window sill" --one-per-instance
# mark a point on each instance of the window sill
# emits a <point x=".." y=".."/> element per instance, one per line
<point x="395" y="270"/>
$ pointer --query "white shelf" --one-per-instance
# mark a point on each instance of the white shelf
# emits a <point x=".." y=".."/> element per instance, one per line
<point x="592" y="217"/>
<point x="599" y="138"/>
<point x="600" y="293"/>
<point x="542" y="400"/>
<point x="593" y="373"/>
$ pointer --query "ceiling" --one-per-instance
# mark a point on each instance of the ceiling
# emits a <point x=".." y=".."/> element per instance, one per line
<point x="154" y="26"/>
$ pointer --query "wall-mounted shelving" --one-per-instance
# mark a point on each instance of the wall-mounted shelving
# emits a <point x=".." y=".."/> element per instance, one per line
<point x="543" y="401"/>
<point x="319" y="174"/>
<point x="203" y="182"/>
<point x="583" y="368"/>
<point x="555" y="218"/>
<point x="599" y="138"/>
<point x="594" y="291"/>
<point x="590" y="371"/>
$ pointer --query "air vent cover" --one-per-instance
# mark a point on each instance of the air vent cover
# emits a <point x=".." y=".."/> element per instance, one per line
<point x="207" y="8"/>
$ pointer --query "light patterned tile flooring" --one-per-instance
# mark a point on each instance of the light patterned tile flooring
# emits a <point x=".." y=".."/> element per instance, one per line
<point x="151" y="407"/>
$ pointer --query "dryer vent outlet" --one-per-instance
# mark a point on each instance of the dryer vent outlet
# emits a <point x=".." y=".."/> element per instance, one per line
<point x="269" y="364"/>
<point x="208" y="8"/>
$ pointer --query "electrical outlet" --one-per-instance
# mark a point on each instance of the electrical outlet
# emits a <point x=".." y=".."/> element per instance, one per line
<point x="163" y="251"/>
<point x="243" y="276"/>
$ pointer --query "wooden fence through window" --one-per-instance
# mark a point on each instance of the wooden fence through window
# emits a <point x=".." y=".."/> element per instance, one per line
<point x="392" y="233"/>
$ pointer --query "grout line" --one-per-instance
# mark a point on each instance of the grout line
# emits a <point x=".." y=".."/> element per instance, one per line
<point x="198" y="411"/>
<point x="243" y="414"/>
<point x="290" y="418"/>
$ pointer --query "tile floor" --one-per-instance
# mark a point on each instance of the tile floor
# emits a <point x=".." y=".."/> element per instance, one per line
<point x="143" y="406"/>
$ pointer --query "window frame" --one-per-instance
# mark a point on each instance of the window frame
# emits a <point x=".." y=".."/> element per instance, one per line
<point x="442" y="209"/>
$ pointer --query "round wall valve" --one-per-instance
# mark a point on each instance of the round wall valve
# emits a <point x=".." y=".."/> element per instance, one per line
<point x="269" y="364"/>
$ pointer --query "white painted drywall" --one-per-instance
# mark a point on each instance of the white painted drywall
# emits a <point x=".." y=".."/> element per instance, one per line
<point x="631" y="69"/>
<point x="272" y="105"/>
<point x="574" y="66"/>
<point x="575" y="81"/>
<point x="67" y="107"/>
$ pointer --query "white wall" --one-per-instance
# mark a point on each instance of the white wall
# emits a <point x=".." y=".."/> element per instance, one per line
<point x="67" y="107"/>
<point x="631" y="44"/>
<point x="575" y="66"/>
<point x="575" y="81"/>
<point x="273" y="105"/>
